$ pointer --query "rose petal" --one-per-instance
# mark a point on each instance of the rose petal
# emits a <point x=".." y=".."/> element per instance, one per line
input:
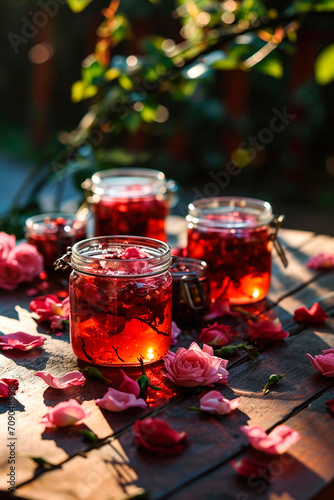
<point x="65" y="414"/>
<point x="118" y="401"/>
<point x="68" y="380"/>
<point x="21" y="341"/>
<point x="275" y="443"/>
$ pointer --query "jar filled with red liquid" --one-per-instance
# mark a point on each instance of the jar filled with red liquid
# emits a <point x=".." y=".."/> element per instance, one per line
<point x="234" y="237"/>
<point x="190" y="291"/>
<point x="53" y="233"/>
<point x="130" y="201"/>
<point x="121" y="300"/>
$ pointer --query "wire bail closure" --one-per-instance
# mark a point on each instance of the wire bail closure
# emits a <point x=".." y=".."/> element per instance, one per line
<point x="277" y="244"/>
<point x="64" y="262"/>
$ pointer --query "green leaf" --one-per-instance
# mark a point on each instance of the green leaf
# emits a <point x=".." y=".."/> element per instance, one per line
<point x="81" y="90"/>
<point x="78" y="5"/>
<point x="324" y="66"/>
<point x="92" y="73"/>
<point x="271" y="66"/>
<point x="94" y="373"/>
<point x="226" y="64"/>
<point x="125" y="82"/>
<point x="89" y="435"/>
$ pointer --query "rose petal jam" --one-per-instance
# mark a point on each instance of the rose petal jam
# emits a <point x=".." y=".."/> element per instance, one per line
<point x="121" y="303"/>
<point x="233" y="236"/>
<point x="51" y="234"/>
<point x="129" y="201"/>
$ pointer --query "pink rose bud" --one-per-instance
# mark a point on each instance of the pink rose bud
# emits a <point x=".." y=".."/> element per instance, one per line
<point x="21" y="341"/>
<point x="8" y="386"/>
<point x="129" y="385"/>
<point x="175" y="333"/>
<point x="194" y="367"/>
<point x="157" y="436"/>
<point x="265" y="332"/>
<point x="277" y="442"/>
<point x="216" y="335"/>
<point x="313" y="316"/>
<point x="68" y="380"/>
<point x="322" y="261"/>
<point x="324" y="362"/>
<point x="247" y="467"/>
<point x="118" y="401"/>
<point x="220" y="308"/>
<point x="65" y="414"/>
<point x="215" y="402"/>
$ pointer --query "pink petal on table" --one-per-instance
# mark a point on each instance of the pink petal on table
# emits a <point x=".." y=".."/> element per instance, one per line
<point x="8" y="387"/>
<point x="321" y="261"/>
<point x="68" y="380"/>
<point x="21" y="341"/>
<point x="118" y="401"/>
<point x="275" y="443"/>
<point x="220" y="308"/>
<point x="65" y="414"/>
<point x="175" y="333"/>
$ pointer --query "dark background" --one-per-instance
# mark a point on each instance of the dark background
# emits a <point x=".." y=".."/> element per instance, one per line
<point x="294" y="171"/>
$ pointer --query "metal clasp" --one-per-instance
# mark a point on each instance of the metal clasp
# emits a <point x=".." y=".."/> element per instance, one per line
<point x="277" y="244"/>
<point x="64" y="262"/>
<point x="195" y="292"/>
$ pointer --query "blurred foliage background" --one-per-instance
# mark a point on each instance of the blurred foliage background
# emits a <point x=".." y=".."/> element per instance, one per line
<point x="183" y="86"/>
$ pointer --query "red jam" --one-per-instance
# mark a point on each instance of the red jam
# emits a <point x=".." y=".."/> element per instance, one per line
<point x="136" y="216"/>
<point x="190" y="292"/>
<point x="52" y="235"/>
<point x="238" y="255"/>
<point x="118" y="319"/>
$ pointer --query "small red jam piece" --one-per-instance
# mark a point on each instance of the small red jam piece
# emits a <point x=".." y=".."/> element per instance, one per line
<point x="60" y="221"/>
<point x="134" y="253"/>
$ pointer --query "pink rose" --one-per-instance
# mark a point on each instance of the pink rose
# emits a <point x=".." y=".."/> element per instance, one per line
<point x="220" y="308"/>
<point x="216" y="335"/>
<point x="324" y="362"/>
<point x="193" y="367"/>
<point x="30" y="261"/>
<point x="175" y="333"/>
<point x="68" y="380"/>
<point x="64" y="414"/>
<point x="21" y="341"/>
<point x="117" y="401"/>
<point x="7" y="243"/>
<point x="321" y="262"/>
<point x="313" y="316"/>
<point x="275" y="443"/>
<point x="215" y="402"/>
<point x="248" y="467"/>
<point x="265" y="332"/>
<point x="10" y="275"/>
<point x="157" y="436"/>
<point x="129" y="385"/>
<point x="8" y="385"/>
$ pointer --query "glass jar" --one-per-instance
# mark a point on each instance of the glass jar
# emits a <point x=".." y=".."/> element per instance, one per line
<point x="234" y="237"/>
<point x="190" y="291"/>
<point x="130" y="201"/>
<point x="121" y="300"/>
<point x="52" y="233"/>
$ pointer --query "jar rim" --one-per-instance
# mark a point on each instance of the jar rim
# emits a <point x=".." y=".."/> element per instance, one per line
<point x="230" y="212"/>
<point x="37" y="222"/>
<point x="200" y="267"/>
<point x="158" y="261"/>
<point x="149" y="181"/>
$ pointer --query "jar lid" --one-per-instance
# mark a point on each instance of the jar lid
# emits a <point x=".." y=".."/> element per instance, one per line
<point x="128" y="183"/>
<point x="121" y="256"/>
<point x="230" y="212"/>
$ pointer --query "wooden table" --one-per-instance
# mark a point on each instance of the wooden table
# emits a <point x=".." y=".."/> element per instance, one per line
<point x="119" y="469"/>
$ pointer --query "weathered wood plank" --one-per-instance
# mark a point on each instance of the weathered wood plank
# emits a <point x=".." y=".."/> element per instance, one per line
<point x="298" y="475"/>
<point x="211" y="441"/>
